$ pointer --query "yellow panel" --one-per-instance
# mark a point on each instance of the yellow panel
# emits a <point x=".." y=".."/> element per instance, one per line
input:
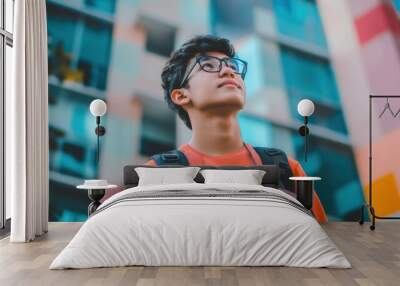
<point x="385" y="195"/>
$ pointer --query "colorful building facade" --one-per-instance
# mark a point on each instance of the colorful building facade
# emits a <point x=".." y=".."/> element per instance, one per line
<point x="116" y="51"/>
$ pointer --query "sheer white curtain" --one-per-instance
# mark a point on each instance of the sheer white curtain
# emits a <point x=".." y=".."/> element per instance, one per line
<point x="27" y="124"/>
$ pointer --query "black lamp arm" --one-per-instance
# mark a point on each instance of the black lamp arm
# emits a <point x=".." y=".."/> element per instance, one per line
<point x="304" y="131"/>
<point x="100" y="131"/>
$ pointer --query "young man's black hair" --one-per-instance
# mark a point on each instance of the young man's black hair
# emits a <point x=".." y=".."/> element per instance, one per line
<point x="176" y="67"/>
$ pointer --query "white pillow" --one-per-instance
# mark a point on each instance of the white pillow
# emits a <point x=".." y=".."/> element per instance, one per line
<point x="248" y="177"/>
<point x="163" y="176"/>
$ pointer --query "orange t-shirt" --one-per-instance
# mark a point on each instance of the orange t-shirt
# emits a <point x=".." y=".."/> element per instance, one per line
<point x="245" y="156"/>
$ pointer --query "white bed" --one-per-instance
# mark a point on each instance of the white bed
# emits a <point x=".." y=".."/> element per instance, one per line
<point x="269" y="228"/>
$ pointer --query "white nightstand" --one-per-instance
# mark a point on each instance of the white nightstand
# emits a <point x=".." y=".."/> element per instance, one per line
<point x="304" y="189"/>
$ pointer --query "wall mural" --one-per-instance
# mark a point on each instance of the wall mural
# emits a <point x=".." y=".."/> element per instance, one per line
<point x="116" y="50"/>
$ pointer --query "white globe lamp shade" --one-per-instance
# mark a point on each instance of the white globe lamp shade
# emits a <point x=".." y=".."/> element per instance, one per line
<point x="305" y="107"/>
<point x="98" y="107"/>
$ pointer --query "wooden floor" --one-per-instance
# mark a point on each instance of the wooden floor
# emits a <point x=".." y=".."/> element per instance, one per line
<point x="375" y="257"/>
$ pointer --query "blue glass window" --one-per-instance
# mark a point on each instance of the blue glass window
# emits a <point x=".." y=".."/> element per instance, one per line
<point x="252" y="53"/>
<point x="66" y="203"/>
<point x="260" y="132"/>
<point x="255" y="131"/>
<point x="231" y="18"/>
<point x="160" y="37"/>
<point x="333" y="162"/>
<point x="95" y="53"/>
<point x="61" y="28"/>
<point x="340" y="190"/>
<point x="158" y="130"/>
<point x="308" y="76"/>
<point x="300" y="19"/>
<point x="79" y="47"/>
<point x="101" y="5"/>
<point x="396" y="4"/>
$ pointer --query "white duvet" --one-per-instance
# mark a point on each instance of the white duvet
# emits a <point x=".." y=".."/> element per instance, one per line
<point x="183" y="231"/>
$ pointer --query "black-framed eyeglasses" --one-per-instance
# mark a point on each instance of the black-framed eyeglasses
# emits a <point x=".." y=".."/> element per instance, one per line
<point x="214" y="64"/>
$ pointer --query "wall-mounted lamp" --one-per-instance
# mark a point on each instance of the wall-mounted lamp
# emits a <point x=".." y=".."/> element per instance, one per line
<point x="305" y="108"/>
<point x="98" y="108"/>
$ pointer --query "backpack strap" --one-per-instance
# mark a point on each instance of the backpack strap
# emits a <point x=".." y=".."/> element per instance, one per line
<point x="273" y="156"/>
<point x="172" y="157"/>
<point x="269" y="156"/>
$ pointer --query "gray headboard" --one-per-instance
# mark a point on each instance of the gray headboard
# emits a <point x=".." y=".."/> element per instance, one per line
<point x="270" y="179"/>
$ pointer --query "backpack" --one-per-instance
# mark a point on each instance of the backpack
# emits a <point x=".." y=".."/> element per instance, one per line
<point x="269" y="156"/>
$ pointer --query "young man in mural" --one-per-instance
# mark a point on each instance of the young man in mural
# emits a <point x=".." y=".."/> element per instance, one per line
<point x="203" y="83"/>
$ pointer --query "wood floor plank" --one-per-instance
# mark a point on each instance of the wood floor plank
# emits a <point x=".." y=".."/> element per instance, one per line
<point x="375" y="258"/>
